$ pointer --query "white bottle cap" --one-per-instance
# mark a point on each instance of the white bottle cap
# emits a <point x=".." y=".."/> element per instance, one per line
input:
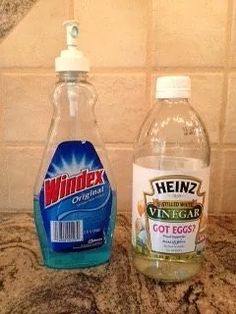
<point x="71" y="59"/>
<point x="173" y="87"/>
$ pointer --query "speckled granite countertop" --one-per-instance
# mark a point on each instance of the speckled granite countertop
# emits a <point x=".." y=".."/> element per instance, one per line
<point x="11" y="12"/>
<point x="27" y="287"/>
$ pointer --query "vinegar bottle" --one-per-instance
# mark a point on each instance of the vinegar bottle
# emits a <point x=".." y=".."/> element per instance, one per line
<point x="75" y="196"/>
<point x="170" y="186"/>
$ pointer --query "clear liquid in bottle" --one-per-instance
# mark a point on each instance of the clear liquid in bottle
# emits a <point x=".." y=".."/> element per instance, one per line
<point x="170" y="186"/>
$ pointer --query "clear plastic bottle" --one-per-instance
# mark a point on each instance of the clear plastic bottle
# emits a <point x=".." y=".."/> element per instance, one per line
<point x="170" y="186"/>
<point x="75" y="196"/>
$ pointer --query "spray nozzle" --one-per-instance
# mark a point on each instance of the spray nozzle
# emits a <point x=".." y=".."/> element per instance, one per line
<point x="71" y="59"/>
<point x="72" y="32"/>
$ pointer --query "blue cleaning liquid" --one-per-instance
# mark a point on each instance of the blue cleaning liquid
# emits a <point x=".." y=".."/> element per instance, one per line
<point x="77" y="259"/>
<point x="74" y="196"/>
<point x="75" y="208"/>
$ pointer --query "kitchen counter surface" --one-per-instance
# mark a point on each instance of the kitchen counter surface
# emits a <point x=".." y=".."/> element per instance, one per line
<point x="11" y="12"/>
<point x="27" y="287"/>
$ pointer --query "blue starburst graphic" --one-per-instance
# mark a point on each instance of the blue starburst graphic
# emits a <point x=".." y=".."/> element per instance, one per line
<point x="71" y="167"/>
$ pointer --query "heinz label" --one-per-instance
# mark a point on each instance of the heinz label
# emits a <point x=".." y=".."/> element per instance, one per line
<point x="75" y="198"/>
<point x="169" y="213"/>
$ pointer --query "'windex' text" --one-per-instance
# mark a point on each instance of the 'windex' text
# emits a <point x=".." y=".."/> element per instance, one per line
<point x="63" y="186"/>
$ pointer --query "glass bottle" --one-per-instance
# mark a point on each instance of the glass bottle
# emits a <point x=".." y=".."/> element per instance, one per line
<point x="170" y="185"/>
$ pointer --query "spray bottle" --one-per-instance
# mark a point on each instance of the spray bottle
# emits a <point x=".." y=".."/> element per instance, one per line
<point x="74" y="196"/>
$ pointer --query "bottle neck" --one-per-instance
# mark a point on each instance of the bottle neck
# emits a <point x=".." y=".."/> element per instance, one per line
<point x="173" y="101"/>
<point x="72" y="76"/>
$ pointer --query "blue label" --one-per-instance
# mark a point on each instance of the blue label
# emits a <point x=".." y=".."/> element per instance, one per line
<point x="75" y="198"/>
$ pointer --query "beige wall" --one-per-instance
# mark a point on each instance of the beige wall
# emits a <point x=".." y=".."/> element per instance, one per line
<point x="129" y="43"/>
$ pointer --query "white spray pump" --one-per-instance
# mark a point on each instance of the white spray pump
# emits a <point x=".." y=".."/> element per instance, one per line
<point x="71" y="60"/>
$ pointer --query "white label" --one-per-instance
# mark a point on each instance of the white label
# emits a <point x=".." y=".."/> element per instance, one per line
<point x="173" y="237"/>
<point x="169" y="210"/>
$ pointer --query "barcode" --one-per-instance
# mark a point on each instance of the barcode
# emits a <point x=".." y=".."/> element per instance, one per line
<point x="66" y="231"/>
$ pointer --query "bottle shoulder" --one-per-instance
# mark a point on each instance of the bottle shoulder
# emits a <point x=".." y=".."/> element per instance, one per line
<point x="77" y="87"/>
<point x="169" y="122"/>
<point x="173" y="129"/>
